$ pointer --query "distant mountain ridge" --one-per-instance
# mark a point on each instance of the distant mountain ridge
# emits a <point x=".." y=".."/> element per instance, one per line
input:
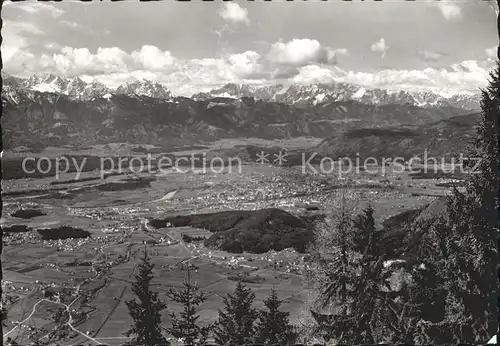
<point x="76" y="88"/>
<point x="41" y="119"/>
<point x="298" y="95"/>
<point x="52" y="111"/>
<point x="308" y="95"/>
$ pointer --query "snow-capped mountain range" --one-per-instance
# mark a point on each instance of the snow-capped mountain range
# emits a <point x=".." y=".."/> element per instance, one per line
<point x="76" y="88"/>
<point x="308" y="95"/>
<point x="37" y="114"/>
<point x="299" y="95"/>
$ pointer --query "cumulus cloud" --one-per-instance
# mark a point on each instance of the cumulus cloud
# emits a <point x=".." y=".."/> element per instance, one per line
<point x="296" y="52"/>
<point x="74" y="61"/>
<point x="77" y="61"/>
<point x="151" y="57"/>
<point x="245" y="64"/>
<point x="451" y="10"/>
<point x="234" y="13"/>
<point x="380" y="47"/>
<point x="300" y="52"/>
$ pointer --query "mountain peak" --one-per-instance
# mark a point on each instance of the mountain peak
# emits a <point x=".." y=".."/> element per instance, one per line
<point x="77" y="88"/>
<point x="144" y="87"/>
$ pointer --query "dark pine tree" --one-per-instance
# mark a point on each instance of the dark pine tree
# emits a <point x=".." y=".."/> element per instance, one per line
<point x="146" y="313"/>
<point x="185" y="326"/>
<point x="351" y="280"/>
<point x="331" y="251"/>
<point x="365" y="235"/>
<point x="273" y="326"/>
<point x="465" y="241"/>
<point x="236" y="323"/>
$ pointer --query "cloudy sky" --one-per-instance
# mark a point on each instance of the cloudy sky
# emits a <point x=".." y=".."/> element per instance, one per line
<point x="193" y="46"/>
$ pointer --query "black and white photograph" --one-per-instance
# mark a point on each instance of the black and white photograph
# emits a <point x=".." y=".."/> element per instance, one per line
<point x="190" y="173"/>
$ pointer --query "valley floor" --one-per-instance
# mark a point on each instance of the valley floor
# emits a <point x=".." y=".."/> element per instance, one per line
<point x="93" y="274"/>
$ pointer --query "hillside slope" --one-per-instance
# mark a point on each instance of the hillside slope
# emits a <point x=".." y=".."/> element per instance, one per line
<point x="446" y="137"/>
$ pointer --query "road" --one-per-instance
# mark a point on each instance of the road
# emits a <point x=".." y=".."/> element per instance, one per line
<point x="69" y="322"/>
<point x="70" y="318"/>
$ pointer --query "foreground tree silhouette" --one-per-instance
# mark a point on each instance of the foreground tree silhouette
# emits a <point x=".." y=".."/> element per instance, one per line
<point x="367" y="287"/>
<point x="333" y="270"/>
<point x="350" y="273"/>
<point x="185" y="327"/>
<point x="273" y="326"/>
<point x="236" y="322"/>
<point x="463" y="246"/>
<point x="363" y="304"/>
<point x="331" y="251"/>
<point x="146" y="313"/>
<point x="365" y="236"/>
